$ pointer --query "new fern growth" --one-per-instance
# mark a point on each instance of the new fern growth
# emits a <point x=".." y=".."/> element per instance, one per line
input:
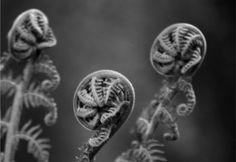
<point x="103" y="101"/>
<point x="29" y="36"/>
<point x="176" y="54"/>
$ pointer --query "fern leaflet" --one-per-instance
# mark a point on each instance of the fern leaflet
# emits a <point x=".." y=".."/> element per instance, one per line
<point x="99" y="138"/>
<point x="36" y="146"/>
<point x="97" y="91"/>
<point x="34" y="98"/>
<point x="143" y="152"/>
<point x="151" y="152"/>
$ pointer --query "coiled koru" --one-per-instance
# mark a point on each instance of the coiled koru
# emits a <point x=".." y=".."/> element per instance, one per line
<point x="100" y="96"/>
<point x="178" y="50"/>
<point x="30" y="33"/>
<point x="102" y="102"/>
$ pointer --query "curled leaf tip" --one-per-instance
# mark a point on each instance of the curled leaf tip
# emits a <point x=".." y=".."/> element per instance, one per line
<point x="30" y="32"/>
<point x="101" y="98"/>
<point x="102" y="102"/>
<point x="178" y="50"/>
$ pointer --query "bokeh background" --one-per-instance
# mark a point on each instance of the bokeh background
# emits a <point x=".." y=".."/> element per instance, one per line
<point x="117" y="34"/>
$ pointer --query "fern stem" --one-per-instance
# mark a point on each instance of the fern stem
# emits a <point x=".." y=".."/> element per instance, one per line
<point x="161" y="101"/>
<point x="154" y="122"/>
<point x="10" y="144"/>
<point x="16" y="108"/>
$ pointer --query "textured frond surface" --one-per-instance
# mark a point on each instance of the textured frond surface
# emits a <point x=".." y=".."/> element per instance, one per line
<point x="34" y="98"/>
<point x="188" y="107"/>
<point x="100" y="137"/>
<point x="37" y="146"/>
<point x="182" y="41"/>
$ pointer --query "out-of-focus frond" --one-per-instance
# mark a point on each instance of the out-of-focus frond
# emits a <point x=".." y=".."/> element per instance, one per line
<point x="149" y="151"/>
<point x="34" y="98"/>
<point x="125" y="157"/>
<point x="36" y="146"/>
<point x="8" y="85"/>
<point x="46" y="67"/>
<point x="187" y="108"/>
<point x="4" y="126"/>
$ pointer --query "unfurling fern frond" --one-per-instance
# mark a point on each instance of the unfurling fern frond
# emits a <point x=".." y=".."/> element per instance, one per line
<point x="46" y="67"/>
<point x="8" y="85"/>
<point x="148" y="151"/>
<point x="186" y="108"/>
<point x="34" y="98"/>
<point x="30" y="32"/>
<point x="36" y="146"/>
<point x="29" y="35"/>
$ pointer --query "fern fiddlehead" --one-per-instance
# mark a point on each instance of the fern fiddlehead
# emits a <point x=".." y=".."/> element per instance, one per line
<point x="28" y="36"/>
<point x="30" y="32"/>
<point x="176" y="53"/>
<point x="102" y="102"/>
<point x="178" y="50"/>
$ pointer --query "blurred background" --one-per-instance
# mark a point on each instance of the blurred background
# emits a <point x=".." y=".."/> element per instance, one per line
<point x="117" y="34"/>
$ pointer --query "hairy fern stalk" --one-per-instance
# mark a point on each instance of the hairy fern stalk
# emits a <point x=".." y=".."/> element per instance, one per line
<point x="176" y="54"/>
<point x="29" y="36"/>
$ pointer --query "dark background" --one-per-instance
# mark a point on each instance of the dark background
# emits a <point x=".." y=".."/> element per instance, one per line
<point x="117" y="34"/>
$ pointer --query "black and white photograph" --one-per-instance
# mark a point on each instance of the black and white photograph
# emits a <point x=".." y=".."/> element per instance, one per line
<point x="118" y="81"/>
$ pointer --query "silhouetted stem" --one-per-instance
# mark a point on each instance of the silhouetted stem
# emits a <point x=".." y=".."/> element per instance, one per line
<point x="11" y="144"/>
